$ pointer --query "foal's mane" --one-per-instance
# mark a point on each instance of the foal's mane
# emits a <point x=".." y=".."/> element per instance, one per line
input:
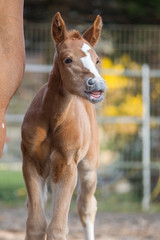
<point x="74" y="34"/>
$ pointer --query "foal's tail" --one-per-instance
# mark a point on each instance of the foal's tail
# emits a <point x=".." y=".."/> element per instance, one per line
<point x="2" y="132"/>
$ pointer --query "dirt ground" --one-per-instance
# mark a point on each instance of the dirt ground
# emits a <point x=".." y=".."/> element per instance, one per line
<point x="108" y="226"/>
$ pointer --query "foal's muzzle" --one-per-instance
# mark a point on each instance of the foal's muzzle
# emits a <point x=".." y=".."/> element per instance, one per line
<point x="95" y="89"/>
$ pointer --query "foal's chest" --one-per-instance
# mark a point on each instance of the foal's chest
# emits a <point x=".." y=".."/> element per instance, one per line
<point x="73" y="135"/>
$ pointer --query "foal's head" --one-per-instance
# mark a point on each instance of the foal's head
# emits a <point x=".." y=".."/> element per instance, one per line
<point x="77" y="60"/>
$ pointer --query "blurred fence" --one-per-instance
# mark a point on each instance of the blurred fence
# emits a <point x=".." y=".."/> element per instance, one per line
<point x="130" y="143"/>
<point x="141" y="42"/>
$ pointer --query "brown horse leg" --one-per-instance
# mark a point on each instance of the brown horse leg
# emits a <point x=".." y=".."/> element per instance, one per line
<point x="36" y="188"/>
<point x="86" y="202"/>
<point x="63" y="180"/>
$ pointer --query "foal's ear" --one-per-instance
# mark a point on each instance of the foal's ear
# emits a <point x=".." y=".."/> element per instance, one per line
<point x="92" y="34"/>
<point x="58" y="29"/>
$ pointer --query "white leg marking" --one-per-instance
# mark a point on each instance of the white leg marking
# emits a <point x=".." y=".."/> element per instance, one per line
<point x="87" y="61"/>
<point x="2" y="125"/>
<point x="89" y="230"/>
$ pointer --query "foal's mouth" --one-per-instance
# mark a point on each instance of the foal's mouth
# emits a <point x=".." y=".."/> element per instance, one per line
<point x="95" y="96"/>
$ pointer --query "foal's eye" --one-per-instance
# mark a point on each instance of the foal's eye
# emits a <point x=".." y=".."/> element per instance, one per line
<point x="97" y="61"/>
<point x="68" y="60"/>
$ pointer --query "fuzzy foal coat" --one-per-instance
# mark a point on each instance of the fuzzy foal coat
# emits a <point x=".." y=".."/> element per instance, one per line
<point x="60" y="139"/>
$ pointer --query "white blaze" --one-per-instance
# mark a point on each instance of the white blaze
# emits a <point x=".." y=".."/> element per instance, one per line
<point x="87" y="61"/>
<point x="2" y="125"/>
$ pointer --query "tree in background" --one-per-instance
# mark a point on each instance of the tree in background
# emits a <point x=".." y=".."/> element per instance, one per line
<point x="112" y="11"/>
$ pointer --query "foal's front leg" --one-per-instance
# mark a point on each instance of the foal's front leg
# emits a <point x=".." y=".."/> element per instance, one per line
<point x="63" y="180"/>
<point x="36" y="224"/>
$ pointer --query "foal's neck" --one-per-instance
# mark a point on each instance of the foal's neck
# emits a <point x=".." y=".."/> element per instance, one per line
<point x="57" y="100"/>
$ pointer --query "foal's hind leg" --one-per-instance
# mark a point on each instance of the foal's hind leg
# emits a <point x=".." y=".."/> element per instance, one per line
<point x="86" y="202"/>
<point x="36" y="188"/>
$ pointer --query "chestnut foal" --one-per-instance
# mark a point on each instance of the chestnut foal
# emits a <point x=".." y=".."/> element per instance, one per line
<point x="59" y="135"/>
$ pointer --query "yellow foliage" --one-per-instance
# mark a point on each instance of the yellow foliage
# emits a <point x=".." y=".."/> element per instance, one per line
<point x="125" y="59"/>
<point x="126" y="104"/>
<point x="115" y="82"/>
<point x="131" y="106"/>
<point x="110" y="110"/>
<point x="21" y="192"/>
<point x="157" y="87"/>
<point x="106" y="63"/>
<point x="156" y="90"/>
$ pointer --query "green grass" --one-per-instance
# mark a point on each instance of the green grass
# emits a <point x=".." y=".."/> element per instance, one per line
<point x="113" y="202"/>
<point x="12" y="187"/>
<point x="119" y="203"/>
<point x="13" y="193"/>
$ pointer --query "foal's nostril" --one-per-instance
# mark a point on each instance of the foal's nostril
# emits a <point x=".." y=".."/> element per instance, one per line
<point x="90" y="82"/>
